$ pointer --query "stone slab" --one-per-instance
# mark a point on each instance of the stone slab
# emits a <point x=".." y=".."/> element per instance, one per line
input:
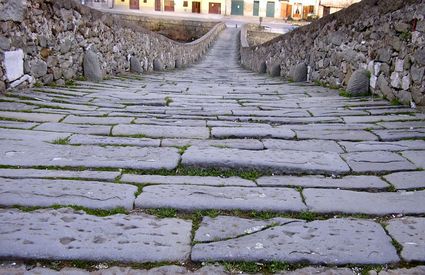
<point x="193" y="198"/>
<point x="227" y="227"/>
<point x="65" y="234"/>
<point x="44" y="192"/>
<point x="409" y="232"/>
<point x="26" y="155"/>
<point x="418" y="270"/>
<point x="31" y="136"/>
<point x="107" y="140"/>
<point x="251" y="132"/>
<point x="417" y="157"/>
<point x="407" y="180"/>
<point x="249" y="144"/>
<point x="272" y="160"/>
<point x="34" y="117"/>
<point x="161" y="131"/>
<point x="394" y="146"/>
<point x="303" y="145"/>
<point x="97" y="120"/>
<point x="17" y="124"/>
<point x="351" y="135"/>
<point x="377" y="161"/>
<point x="397" y="134"/>
<point x="348" y="182"/>
<point x="189" y="180"/>
<point x="352" y="202"/>
<point x="334" y="241"/>
<point x="403" y="124"/>
<point x="13" y="61"/>
<point x="61" y="174"/>
<point x="74" y="128"/>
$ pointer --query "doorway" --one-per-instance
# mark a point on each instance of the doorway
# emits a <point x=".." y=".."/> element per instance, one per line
<point x="237" y="7"/>
<point x="256" y="8"/>
<point x="134" y="4"/>
<point x="168" y="5"/>
<point x="214" y="8"/>
<point x="158" y="5"/>
<point x="270" y="9"/>
<point x="196" y="7"/>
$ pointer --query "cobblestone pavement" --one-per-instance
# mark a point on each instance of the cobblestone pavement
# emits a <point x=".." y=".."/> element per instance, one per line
<point x="211" y="163"/>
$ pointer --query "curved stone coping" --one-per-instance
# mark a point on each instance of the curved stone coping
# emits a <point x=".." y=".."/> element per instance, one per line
<point x="244" y="36"/>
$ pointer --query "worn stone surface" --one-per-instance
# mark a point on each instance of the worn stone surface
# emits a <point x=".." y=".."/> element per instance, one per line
<point x="288" y="161"/>
<point x="417" y="157"/>
<point x="348" y="182"/>
<point x="366" y="146"/>
<point x="60" y="174"/>
<point x="106" y="140"/>
<point x="66" y="234"/>
<point x="299" y="73"/>
<point x="249" y="132"/>
<point x="161" y="131"/>
<point x="377" y="161"/>
<point x="228" y="227"/>
<point x="192" y="198"/>
<point x="189" y="180"/>
<point x="14" y="63"/>
<point x="409" y="232"/>
<point x="350" y="135"/>
<point x="407" y="180"/>
<point x="315" y="242"/>
<point x="44" y="192"/>
<point x="91" y="67"/>
<point x="23" y="154"/>
<point x="344" y="201"/>
<point x="13" y="10"/>
<point x="135" y="66"/>
<point x="358" y="85"/>
<point x="303" y="145"/>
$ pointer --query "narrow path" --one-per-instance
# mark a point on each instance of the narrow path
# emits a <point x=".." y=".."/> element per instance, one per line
<point x="236" y="167"/>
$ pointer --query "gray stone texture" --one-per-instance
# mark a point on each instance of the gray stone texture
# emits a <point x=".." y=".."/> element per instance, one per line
<point x="186" y="180"/>
<point x="393" y="146"/>
<point x="377" y="161"/>
<point x="66" y="234"/>
<point x="344" y="201"/>
<point x="407" y="180"/>
<point x="44" y="192"/>
<point x="250" y="132"/>
<point x="303" y="145"/>
<point x="409" y="232"/>
<point x="135" y="66"/>
<point x="274" y="70"/>
<point x="13" y="10"/>
<point x="161" y="131"/>
<point x="158" y="65"/>
<point x="348" y="182"/>
<point x="279" y="160"/>
<point x="59" y="174"/>
<point x="299" y="73"/>
<point x="91" y="67"/>
<point x="417" y="157"/>
<point x="358" y="85"/>
<point x="191" y="198"/>
<point x="317" y="242"/>
<point x="107" y="140"/>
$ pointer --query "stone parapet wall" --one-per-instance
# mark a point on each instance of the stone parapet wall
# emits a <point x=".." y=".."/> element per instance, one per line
<point x="387" y="37"/>
<point x="45" y="41"/>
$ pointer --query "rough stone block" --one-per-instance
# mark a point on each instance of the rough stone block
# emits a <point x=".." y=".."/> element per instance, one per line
<point x="13" y="10"/>
<point x="274" y="70"/>
<point x="135" y="66"/>
<point x="14" y="64"/>
<point x="91" y="66"/>
<point x="299" y="73"/>
<point x="358" y="85"/>
<point x="158" y="65"/>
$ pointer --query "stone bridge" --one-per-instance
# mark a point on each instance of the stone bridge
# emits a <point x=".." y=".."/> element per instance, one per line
<point x="212" y="169"/>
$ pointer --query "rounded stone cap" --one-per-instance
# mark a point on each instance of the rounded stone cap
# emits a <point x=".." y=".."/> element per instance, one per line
<point x="358" y="85"/>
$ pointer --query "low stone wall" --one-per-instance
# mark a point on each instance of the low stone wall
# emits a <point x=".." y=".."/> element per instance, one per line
<point x="45" y="41"/>
<point x="387" y="37"/>
<point x="256" y="35"/>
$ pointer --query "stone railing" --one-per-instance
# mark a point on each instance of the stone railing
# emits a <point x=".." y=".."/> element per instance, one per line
<point x="386" y="37"/>
<point x="47" y="41"/>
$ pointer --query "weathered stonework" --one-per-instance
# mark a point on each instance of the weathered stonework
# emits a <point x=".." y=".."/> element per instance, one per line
<point x="385" y="37"/>
<point x="55" y="35"/>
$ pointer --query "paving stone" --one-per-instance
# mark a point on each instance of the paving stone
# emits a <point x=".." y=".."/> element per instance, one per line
<point x="384" y="118"/>
<point x="403" y="271"/>
<point x="320" y="271"/>
<point x="25" y="155"/>
<point x="66" y="234"/>
<point x="62" y="174"/>
<point x="407" y="180"/>
<point x="107" y="140"/>
<point x="97" y="120"/>
<point x="417" y="157"/>
<point x="303" y="145"/>
<point x="366" y="146"/>
<point x="352" y="135"/>
<point x="315" y="242"/>
<point x="227" y="227"/>
<point x="44" y="192"/>
<point x="273" y="160"/>
<point x="189" y="180"/>
<point x="193" y="197"/>
<point x="409" y="232"/>
<point x="31" y="136"/>
<point x="17" y="124"/>
<point x="377" y="161"/>
<point x="161" y="131"/>
<point x="171" y="122"/>
<point x="250" y="132"/>
<point x="397" y="134"/>
<point x="35" y="117"/>
<point x="351" y="202"/>
<point x="249" y="144"/>
<point x="74" y="128"/>
<point x="348" y="182"/>
<point x="403" y="125"/>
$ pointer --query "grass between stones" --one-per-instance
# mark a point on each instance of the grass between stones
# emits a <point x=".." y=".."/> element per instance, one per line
<point x="61" y="141"/>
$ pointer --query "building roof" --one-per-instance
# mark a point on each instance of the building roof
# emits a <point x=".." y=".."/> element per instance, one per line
<point x="338" y="3"/>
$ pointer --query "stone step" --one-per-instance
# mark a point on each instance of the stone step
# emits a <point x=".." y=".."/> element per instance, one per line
<point x="66" y="234"/>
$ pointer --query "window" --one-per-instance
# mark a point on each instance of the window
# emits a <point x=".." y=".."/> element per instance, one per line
<point x="185" y="4"/>
<point x="145" y="1"/>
